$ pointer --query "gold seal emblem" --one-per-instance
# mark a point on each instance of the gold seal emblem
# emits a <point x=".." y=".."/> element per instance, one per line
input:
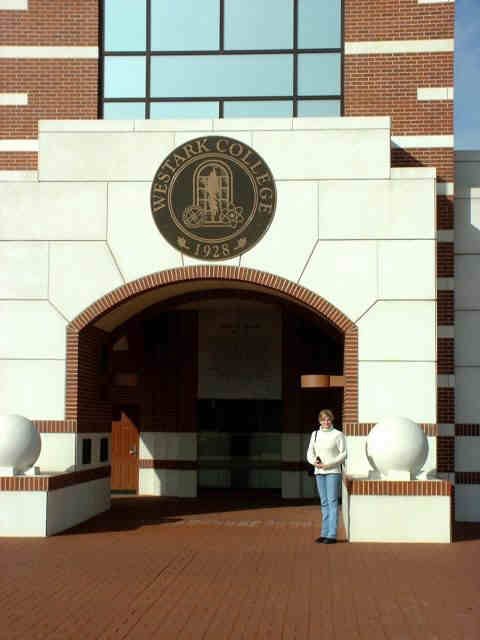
<point x="213" y="198"/>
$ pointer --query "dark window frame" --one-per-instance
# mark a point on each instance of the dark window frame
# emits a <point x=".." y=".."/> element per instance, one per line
<point x="148" y="54"/>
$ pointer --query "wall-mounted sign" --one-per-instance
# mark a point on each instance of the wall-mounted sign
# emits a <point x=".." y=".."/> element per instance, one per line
<point x="213" y="198"/>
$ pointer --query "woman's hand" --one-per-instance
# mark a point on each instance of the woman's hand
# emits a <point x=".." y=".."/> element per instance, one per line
<point x="319" y="465"/>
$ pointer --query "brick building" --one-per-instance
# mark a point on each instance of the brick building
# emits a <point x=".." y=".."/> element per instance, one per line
<point x="350" y="105"/>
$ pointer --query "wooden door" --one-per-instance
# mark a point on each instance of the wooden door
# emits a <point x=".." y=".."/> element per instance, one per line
<point x="125" y="445"/>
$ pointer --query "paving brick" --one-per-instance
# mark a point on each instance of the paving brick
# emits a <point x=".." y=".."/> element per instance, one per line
<point x="232" y="567"/>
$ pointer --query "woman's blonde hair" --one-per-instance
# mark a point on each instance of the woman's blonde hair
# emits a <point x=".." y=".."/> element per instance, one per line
<point x="327" y="413"/>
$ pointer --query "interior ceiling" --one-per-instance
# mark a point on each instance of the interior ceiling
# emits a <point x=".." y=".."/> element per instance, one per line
<point x="121" y="314"/>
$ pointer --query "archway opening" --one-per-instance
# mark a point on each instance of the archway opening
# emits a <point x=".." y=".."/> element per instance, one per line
<point x="198" y="382"/>
<point x="222" y="368"/>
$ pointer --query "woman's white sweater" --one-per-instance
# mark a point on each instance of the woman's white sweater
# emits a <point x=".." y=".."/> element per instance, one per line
<point x="330" y="446"/>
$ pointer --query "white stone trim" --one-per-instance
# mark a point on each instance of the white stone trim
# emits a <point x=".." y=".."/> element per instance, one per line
<point x="413" y="173"/>
<point x="435" y="93"/>
<point x="446" y="429"/>
<point x="445" y="284"/>
<point x="445" y="380"/>
<point x="340" y="123"/>
<point x="399" y="46"/>
<point x="48" y="52"/>
<point x="445" y="235"/>
<point x="436" y="1"/>
<point x="19" y="145"/>
<point x="13" y="99"/>
<point x="445" y="188"/>
<point x="423" y="142"/>
<point x="225" y="124"/>
<point x="85" y="126"/>
<point x="13" y="5"/>
<point x="445" y="331"/>
<point x="18" y="176"/>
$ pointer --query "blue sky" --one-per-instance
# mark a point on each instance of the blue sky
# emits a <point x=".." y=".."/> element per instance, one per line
<point x="467" y="74"/>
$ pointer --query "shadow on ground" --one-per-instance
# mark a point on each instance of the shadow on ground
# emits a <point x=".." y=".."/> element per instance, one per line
<point x="132" y="512"/>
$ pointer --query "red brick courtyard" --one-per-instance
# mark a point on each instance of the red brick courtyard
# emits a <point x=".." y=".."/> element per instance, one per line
<point x="233" y="567"/>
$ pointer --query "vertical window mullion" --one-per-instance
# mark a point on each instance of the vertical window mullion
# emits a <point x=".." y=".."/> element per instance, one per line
<point x="101" y="62"/>
<point x="148" y="57"/>
<point x="342" y="55"/>
<point x="295" y="57"/>
<point x="221" y="26"/>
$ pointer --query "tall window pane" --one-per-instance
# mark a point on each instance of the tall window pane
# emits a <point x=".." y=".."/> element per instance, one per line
<point x="258" y="24"/>
<point x="318" y="108"/>
<point x="258" y="109"/>
<point x="203" y="76"/>
<point x="124" y="111"/>
<point x="318" y="74"/>
<point x="184" y="110"/>
<point x="185" y="25"/>
<point x="125" y="77"/>
<point x="125" y="25"/>
<point x="319" y="24"/>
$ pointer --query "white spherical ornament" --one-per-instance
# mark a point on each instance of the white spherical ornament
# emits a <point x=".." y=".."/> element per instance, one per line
<point x="397" y="445"/>
<point x="20" y="443"/>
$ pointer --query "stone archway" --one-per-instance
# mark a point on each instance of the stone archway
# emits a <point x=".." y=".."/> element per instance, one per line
<point x="86" y="412"/>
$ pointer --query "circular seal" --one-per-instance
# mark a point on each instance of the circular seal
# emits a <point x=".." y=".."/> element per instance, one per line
<point x="213" y="198"/>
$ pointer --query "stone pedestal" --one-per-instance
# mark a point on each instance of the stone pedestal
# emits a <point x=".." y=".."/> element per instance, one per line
<point x="397" y="511"/>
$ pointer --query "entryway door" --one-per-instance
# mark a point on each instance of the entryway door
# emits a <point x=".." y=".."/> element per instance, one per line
<point x="124" y="454"/>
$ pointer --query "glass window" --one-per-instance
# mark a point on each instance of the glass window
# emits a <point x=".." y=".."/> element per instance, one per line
<point x="161" y="110"/>
<point x="258" y="109"/>
<point x="124" y="111"/>
<point x="235" y="75"/>
<point x="103" y="450"/>
<point x="258" y="24"/>
<point x="318" y="74"/>
<point x="190" y="76"/>
<point x="319" y="24"/>
<point x="125" y="25"/>
<point x="87" y="451"/>
<point x="185" y="25"/>
<point x="124" y="77"/>
<point x="318" y="108"/>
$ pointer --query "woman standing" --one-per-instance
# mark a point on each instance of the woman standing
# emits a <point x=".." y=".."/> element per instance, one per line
<point x="326" y="452"/>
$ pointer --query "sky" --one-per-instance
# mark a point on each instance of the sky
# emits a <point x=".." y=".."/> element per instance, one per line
<point x="467" y="74"/>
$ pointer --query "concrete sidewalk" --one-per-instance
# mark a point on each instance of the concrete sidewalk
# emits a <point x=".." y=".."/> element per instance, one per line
<point x="218" y="567"/>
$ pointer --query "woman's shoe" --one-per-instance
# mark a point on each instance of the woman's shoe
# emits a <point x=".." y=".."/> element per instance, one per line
<point x="329" y="540"/>
<point x="321" y="539"/>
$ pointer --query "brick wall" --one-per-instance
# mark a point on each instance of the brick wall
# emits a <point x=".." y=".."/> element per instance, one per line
<point x="87" y="399"/>
<point x="386" y="84"/>
<point x="445" y="212"/>
<point x="55" y="22"/>
<point x="57" y="88"/>
<point x="397" y="20"/>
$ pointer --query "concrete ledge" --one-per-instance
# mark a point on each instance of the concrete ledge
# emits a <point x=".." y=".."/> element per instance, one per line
<point x="44" y="505"/>
<point x="52" y="482"/>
